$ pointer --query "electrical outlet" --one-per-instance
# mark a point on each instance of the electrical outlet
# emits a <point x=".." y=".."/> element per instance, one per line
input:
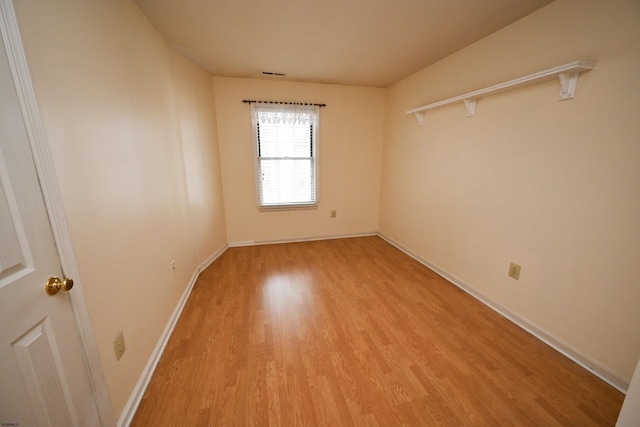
<point x="173" y="267"/>
<point x="514" y="271"/>
<point x="118" y="345"/>
<point x="333" y="214"/>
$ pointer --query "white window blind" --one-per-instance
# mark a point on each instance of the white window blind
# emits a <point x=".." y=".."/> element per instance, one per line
<point x="286" y="146"/>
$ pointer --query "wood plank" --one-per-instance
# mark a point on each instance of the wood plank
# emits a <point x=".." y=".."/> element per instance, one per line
<point x="354" y="332"/>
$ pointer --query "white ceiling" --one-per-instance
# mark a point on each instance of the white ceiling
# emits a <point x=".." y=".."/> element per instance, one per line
<point x="352" y="42"/>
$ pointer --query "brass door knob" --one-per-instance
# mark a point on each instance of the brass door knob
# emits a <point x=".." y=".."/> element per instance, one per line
<point x="55" y="285"/>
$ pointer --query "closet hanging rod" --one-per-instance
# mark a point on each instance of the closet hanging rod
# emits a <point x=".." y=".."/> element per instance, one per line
<point x="567" y="74"/>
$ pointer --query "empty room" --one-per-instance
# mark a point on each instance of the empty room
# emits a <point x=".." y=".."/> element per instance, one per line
<point x="385" y="213"/>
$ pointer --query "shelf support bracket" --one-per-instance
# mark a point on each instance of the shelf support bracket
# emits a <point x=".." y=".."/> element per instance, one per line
<point x="419" y="117"/>
<point x="470" y="105"/>
<point x="568" y="84"/>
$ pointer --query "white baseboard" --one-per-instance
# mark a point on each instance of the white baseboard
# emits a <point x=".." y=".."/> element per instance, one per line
<point x="131" y="407"/>
<point x="600" y="371"/>
<point x="207" y="262"/>
<point x="300" y="239"/>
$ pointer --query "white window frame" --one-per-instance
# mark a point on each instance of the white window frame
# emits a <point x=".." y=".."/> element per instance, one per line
<point x="290" y="110"/>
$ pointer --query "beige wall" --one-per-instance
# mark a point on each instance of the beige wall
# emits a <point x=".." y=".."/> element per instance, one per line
<point x="350" y="148"/>
<point x="123" y="116"/>
<point x="553" y="186"/>
<point x="196" y="111"/>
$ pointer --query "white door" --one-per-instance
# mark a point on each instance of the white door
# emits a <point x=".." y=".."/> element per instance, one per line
<point x="43" y="376"/>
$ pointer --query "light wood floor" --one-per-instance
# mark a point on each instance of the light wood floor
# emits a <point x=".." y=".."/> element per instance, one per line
<point x="354" y="332"/>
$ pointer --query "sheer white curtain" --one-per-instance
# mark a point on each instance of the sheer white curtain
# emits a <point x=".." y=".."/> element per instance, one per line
<point x="285" y="114"/>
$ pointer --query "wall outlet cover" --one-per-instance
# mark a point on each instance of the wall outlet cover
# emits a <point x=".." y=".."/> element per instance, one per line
<point x="118" y="345"/>
<point x="514" y="271"/>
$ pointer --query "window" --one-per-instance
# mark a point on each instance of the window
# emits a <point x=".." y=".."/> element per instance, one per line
<point x="286" y="143"/>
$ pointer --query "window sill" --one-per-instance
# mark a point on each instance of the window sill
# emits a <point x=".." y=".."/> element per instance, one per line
<point x="287" y="207"/>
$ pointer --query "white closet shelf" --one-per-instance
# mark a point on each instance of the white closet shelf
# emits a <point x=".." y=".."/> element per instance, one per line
<point x="567" y="74"/>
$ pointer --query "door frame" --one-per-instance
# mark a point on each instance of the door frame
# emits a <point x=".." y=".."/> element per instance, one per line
<point x="53" y="202"/>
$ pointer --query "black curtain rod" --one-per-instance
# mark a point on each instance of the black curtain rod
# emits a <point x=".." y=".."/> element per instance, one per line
<point x="249" y="101"/>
